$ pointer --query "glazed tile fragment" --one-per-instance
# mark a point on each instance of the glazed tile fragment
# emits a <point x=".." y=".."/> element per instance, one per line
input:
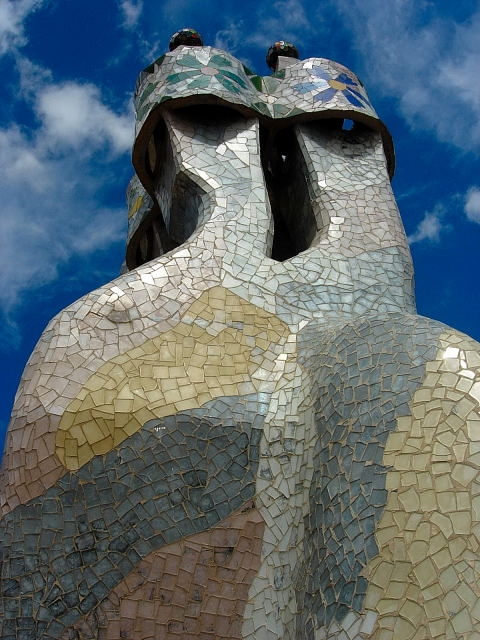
<point x="250" y="433"/>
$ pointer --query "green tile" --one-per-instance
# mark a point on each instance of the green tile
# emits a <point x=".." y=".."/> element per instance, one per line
<point x="235" y="78"/>
<point x="189" y="61"/>
<point x="257" y="82"/>
<point x="200" y="82"/>
<point x="174" y="78"/>
<point x="220" y="61"/>
<point x="146" y="92"/>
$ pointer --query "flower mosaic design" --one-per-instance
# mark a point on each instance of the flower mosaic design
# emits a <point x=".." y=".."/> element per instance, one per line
<point x="326" y="87"/>
<point x="198" y="75"/>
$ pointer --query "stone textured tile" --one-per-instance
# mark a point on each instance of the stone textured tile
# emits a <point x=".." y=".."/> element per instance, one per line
<point x="249" y="433"/>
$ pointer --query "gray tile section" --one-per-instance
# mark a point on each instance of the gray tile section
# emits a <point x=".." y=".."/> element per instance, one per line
<point x="179" y="475"/>
<point x="366" y="373"/>
<point x="374" y="281"/>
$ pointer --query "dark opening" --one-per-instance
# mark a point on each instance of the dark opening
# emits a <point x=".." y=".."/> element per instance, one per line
<point x="187" y="205"/>
<point x="285" y="177"/>
<point x="149" y="245"/>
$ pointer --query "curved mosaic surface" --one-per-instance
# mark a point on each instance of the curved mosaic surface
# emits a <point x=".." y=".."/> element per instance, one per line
<point x="183" y="368"/>
<point x="180" y="475"/>
<point x="204" y="75"/>
<point x="194" y="587"/>
<point x="418" y="568"/>
<point x="251" y="434"/>
<point x="366" y="374"/>
<point x="424" y="581"/>
<point x="315" y="84"/>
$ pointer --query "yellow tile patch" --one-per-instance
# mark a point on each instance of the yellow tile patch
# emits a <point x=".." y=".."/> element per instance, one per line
<point x="425" y="582"/>
<point x="135" y="206"/>
<point x="223" y="346"/>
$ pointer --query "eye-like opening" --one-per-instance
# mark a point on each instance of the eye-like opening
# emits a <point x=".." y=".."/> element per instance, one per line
<point x="351" y="135"/>
<point x="347" y="125"/>
<point x="293" y="218"/>
<point x="187" y="205"/>
<point x="149" y="244"/>
<point x="181" y="200"/>
<point x="156" y="151"/>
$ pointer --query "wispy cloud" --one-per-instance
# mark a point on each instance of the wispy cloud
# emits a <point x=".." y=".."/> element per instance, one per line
<point x="131" y="11"/>
<point x="51" y="210"/>
<point x="12" y="16"/>
<point x="238" y="28"/>
<point x="230" y="37"/>
<point x="472" y="204"/>
<point x="429" y="228"/>
<point x="53" y="182"/>
<point x="58" y="174"/>
<point x="73" y="114"/>
<point x="426" y="61"/>
<point x="280" y="20"/>
<point x="288" y="20"/>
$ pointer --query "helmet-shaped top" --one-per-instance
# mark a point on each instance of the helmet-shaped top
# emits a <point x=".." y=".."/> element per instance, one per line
<point x="193" y="74"/>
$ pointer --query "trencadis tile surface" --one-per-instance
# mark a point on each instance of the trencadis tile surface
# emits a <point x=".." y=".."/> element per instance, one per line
<point x="250" y="433"/>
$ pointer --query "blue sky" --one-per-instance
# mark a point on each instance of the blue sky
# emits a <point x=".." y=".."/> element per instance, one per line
<point x="68" y="69"/>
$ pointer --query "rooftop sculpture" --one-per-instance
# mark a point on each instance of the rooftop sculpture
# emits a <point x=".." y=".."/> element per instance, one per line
<point x="250" y="433"/>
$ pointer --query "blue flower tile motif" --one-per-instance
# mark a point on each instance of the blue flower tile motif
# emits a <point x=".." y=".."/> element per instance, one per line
<point x="327" y="87"/>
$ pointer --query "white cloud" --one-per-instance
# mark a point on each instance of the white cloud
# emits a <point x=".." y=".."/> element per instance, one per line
<point x="51" y="211"/>
<point x="280" y="20"/>
<point x="230" y="38"/>
<point x="52" y="181"/>
<point x="429" y="228"/>
<point x="131" y="11"/>
<point x="239" y="28"/>
<point x="19" y="160"/>
<point x="73" y="114"/>
<point x="12" y="16"/>
<point x="32" y="78"/>
<point x="54" y="178"/>
<point x="472" y="204"/>
<point x="428" y="62"/>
